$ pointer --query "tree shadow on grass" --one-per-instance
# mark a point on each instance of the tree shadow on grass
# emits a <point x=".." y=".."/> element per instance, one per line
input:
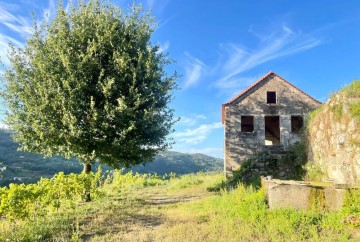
<point x="120" y="217"/>
<point x="127" y="223"/>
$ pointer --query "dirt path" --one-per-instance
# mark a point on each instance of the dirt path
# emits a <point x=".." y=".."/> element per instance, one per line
<point x="139" y="215"/>
<point x="164" y="200"/>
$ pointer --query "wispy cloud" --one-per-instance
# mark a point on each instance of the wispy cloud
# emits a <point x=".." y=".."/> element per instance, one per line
<point x="235" y="59"/>
<point x="17" y="24"/>
<point x="3" y="125"/>
<point x="233" y="85"/>
<point x="164" y="47"/>
<point x="157" y="6"/>
<point x="194" y="69"/>
<point x="191" y="120"/>
<point x="49" y="11"/>
<point x="197" y="135"/>
<point x="280" y="43"/>
<point x="68" y="7"/>
<point x="16" y="27"/>
<point x="4" y="47"/>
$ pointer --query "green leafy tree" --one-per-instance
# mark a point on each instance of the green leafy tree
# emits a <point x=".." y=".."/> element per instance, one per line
<point x="91" y="85"/>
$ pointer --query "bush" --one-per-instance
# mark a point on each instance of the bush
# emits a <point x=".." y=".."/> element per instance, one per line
<point x="20" y="201"/>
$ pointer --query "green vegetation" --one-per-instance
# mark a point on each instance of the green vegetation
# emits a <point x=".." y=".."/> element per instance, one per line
<point x="294" y="159"/>
<point x="342" y="108"/>
<point x="352" y="91"/>
<point x="243" y="175"/>
<point x="313" y="114"/>
<point x="90" y="85"/>
<point x="133" y="207"/>
<point x="27" y="167"/>
<point x="355" y="110"/>
<point x="337" y="110"/>
<point x="354" y="142"/>
<point x="314" y="172"/>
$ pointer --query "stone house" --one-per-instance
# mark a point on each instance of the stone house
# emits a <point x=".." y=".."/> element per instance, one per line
<point x="267" y="116"/>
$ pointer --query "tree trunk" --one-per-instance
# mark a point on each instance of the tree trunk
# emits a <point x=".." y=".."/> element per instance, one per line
<point x="87" y="170"/>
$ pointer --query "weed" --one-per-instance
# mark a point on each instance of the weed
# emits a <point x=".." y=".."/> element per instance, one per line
<point x="133" y="210"/>
<point x="314" y="172"/>
<point x="352" y="90"/>
<point x="337" y="110"/>
<point x="355" y="110"/>
<point x="314" y="114"/>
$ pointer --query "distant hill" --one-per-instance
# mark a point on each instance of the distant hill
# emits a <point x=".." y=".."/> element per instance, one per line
<point x="28" y="167"/>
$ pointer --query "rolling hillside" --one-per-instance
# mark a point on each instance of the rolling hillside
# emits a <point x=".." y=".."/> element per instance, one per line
<point x="28" y="167"/>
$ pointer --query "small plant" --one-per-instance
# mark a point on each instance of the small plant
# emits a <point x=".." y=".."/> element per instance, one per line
<point x="244" y="175"/>
<point x="313" y="114"/>
<point x="337" y="110"/>
<point x="355" y="110"/>
<point x="352" y="90"/>
<point x="313" y="172"/>
<point x="20" y="201"/>
<point x="354" y="142"/>
<point x="296" y="157"/>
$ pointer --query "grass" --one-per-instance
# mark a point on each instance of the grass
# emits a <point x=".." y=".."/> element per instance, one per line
<point x="183" y="209"/>
<point x="352" y="92"/>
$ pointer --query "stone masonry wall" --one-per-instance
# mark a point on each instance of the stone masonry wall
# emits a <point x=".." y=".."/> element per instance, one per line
<point x="334" y="141"/>
<point x="269" y="163"/>
<point x="240" y="146"/>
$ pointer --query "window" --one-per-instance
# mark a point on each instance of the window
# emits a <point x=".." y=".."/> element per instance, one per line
<point x="247" y="123"/>
<point x="297" y="123"/>
<point x="271" y="97"/>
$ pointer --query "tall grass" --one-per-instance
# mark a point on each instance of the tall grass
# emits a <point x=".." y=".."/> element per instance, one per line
<point x="242" y="215"/>
<point x="133" y="207"/>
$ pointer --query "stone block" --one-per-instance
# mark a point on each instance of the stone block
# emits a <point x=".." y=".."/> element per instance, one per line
<point x="302" y="195"/>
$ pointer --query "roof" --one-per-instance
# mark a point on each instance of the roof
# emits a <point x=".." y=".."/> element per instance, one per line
<point x="254" y="85"/>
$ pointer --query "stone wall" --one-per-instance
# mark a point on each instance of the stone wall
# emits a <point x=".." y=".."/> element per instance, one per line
<point x="302" y="195"/>
<point x="334" y="140"/>
<point x="269" y="163"/>
<point x="240" y="146"/>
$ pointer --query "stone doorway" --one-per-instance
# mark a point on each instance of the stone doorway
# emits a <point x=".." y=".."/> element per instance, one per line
<point x="272" y="130"/>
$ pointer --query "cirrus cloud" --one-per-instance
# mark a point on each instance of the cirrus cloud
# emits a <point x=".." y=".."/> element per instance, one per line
<point x="194" y="70"/>
<point x="197" y="135"/>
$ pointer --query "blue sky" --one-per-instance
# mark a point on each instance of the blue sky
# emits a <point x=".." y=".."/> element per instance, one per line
<point x="220" y="48"/>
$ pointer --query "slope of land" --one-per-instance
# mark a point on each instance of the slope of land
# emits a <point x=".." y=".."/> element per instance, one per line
<point x="182" y="209"/>
<point x="27" y="167"/>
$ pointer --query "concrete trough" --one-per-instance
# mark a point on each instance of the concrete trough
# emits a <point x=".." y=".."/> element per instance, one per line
<point x="303" y="195"/>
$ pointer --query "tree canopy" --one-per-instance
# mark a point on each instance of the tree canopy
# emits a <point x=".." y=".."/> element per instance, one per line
<point x="91" y="85"/>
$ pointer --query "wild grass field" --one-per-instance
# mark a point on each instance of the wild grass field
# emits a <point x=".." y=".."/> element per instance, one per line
<point x="133" y="207"/>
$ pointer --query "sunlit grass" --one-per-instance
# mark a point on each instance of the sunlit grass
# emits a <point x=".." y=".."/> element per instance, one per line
<point x="182" y="209"/>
